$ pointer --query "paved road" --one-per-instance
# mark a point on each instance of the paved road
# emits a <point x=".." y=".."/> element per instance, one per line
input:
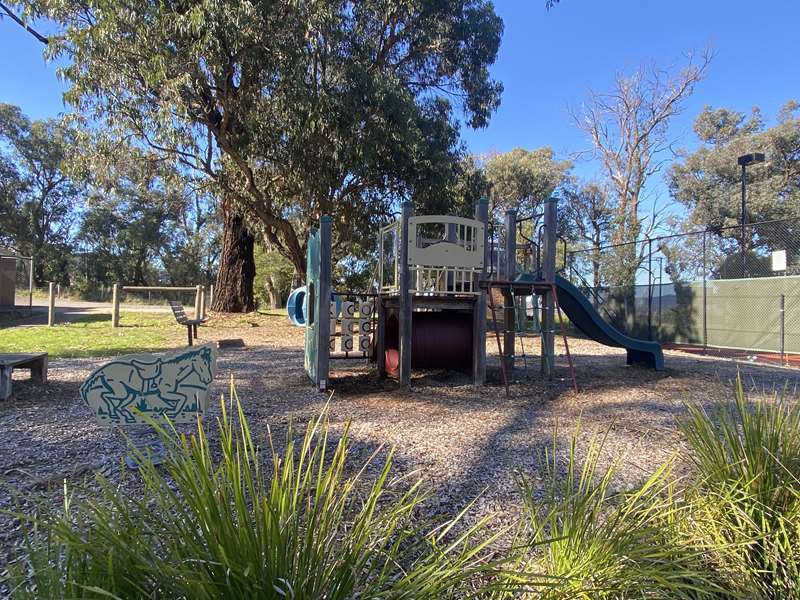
<point x="70" y="310"/>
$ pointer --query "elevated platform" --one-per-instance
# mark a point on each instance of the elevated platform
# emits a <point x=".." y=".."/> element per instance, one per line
<point x="433" y="302"/>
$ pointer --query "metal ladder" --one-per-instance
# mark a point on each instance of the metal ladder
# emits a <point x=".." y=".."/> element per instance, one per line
<point x="493" y="307"/>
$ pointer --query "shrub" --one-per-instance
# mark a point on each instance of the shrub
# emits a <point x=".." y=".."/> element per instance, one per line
<point x="747" y="497"/>
<point x="231" y="528"/>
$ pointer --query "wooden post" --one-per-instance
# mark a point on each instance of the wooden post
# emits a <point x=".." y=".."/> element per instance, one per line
<point x="479" y="314"/>
<point x="115" y="306"/>
<point x="405" y="299"/>
<point x="549" y="275"/>
<point x="202" y="302"/>
<point x="380" y="336"/>
<point x="30" y="286"/>
<point x="323" y="319"/>
<point x="197" y="293"/>
<point x="51" y="306"/>
<point x="211" y="295"/>
<point x="509" y="314"/>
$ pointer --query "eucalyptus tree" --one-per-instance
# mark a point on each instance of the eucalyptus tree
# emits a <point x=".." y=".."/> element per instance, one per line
<point x="707" y="181"/>
<point x="295" y="108"/>
<point x="525" y="178"/>
<point x="37" y="194"/>
<point x="629" y="131"/>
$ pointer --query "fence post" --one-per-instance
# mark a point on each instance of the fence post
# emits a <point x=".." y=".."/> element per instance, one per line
<point x="51" y="306"/>
<point x="783" y="327"/>
<point x="30" y="286"/>
<point x="649" y="289"/>
<point x="705" y="297"/>
<point x="115" y="306"/>
<point x="202" y="302"/>
<point x="197" y="293"/>
<point x="211" y="295"/>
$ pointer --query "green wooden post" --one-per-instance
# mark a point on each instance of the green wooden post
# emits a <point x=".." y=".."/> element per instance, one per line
<point x="549" y="275"/>
<point x="479" y="311"/>
<point x="405" y="300"/>
<point x="509" y="313"/>
<point x="323" y="301"/>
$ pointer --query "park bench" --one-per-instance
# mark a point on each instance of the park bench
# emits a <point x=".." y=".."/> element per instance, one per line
<point x="36" y="363"/>
<point x="182" y="319"/>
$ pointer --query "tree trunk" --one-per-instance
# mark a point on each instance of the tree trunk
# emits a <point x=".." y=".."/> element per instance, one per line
<point x="237" y="267"/>
<point x="275" y="300"/>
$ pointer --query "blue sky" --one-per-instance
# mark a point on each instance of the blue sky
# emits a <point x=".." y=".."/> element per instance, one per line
<point x="548" y="60"/>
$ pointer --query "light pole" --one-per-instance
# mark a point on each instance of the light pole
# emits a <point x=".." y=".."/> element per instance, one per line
<point x="744" y="161"/>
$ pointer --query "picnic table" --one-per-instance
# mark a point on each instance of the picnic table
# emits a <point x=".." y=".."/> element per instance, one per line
<point x="35" y="362"/>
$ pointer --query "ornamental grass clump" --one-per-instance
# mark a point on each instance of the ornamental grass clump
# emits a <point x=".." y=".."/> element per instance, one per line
<point x="584" y="539"/>
<point x="234" y="525"/>
<point x="746" y="500"/>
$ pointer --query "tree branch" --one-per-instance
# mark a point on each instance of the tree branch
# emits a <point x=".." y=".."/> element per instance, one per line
<point x="42" y="38"/>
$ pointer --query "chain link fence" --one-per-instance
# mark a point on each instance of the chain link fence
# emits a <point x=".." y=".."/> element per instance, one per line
<point x="734" y="287"/>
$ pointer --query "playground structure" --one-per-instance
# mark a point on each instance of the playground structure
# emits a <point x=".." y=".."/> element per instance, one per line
<point x="440" y="278"/>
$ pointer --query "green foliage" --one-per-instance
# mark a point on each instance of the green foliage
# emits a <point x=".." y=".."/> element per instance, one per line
<point x="273" y="279"/>
<point x="747" y="499"/>
<point x="523" y="179"/>
<point x="708" y="181"/>
<point x="145" y="222"/>
<point x="37" y="196"/>
<point x="297" y="108"/>
<point x="585" y="539"/>
<point x="295" y="523"/>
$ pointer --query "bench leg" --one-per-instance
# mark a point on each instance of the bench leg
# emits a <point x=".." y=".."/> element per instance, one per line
<point x="189" y="331"/>
<point x="5" y="383"/>
<point x="39" y="370"/>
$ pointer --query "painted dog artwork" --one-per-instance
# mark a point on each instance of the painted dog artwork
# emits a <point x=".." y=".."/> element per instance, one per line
<point x="173" y="385"/>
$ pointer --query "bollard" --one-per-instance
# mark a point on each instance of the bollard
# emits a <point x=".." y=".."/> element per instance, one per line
<point x="51" y="306"/>
<point x="115" y="306"/>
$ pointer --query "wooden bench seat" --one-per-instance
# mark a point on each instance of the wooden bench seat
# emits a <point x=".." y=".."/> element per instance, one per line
<point x="180" y="316"/>
<point x="35" y="362"/>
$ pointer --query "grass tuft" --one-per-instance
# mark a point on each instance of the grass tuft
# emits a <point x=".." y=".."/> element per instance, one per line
<point x="747" y="497"/>
<point x="242" y="522"/>
<point x="584" y="539"/>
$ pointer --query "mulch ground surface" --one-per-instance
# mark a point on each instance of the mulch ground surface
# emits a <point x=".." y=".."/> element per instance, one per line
<point x="465" y="442"/>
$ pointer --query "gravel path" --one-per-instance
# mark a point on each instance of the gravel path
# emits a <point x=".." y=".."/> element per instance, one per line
<point x="464" y="441"/>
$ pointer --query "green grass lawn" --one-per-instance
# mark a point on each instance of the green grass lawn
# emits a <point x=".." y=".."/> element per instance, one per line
<point x="93" y="336"/>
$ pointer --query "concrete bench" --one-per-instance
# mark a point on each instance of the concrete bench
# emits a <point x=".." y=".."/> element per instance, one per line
<point x="36" y="363"/>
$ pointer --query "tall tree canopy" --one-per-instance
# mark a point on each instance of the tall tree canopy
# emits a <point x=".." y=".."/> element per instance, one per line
<point x="707" y="181"/>
<point x="37" y="196"/>
<point x="523" y="179"/>
<point x="143" y="221"/>
<point x="628" y="128"/>
<point x="295" y="108"/>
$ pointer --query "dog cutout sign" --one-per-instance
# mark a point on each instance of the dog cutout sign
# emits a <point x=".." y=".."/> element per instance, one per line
<point x="171" y="386"/>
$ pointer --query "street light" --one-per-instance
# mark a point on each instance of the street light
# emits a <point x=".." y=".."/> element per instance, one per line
<point x="744" y="161"/>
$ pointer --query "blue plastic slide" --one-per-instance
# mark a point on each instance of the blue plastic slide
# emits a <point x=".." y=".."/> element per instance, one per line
<point x="583" y="316"/>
